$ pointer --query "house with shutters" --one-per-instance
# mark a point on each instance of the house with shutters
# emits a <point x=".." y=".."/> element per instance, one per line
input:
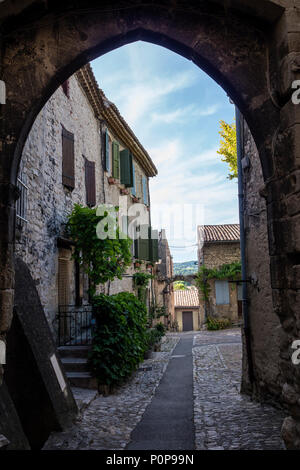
<point x="218" y="245"/>
<point x="79" y="150"/>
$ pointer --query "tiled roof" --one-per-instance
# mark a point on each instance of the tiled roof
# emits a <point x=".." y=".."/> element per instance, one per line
<point x="219" y="233"/>
<point x="186" y="298"/>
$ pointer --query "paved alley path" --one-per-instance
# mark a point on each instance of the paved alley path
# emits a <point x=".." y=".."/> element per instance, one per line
<point x="168" y="421"/>
<point x="182" y="398"/>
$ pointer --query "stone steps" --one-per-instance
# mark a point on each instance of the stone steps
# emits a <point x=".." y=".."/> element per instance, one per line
<point x="75" y="362"/>
<point x="82" y="380"/>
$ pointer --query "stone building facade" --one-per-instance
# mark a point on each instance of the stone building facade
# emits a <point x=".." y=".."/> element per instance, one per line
<point x="163" y="287"/>
<point x="78" y="125"/>
<point x="265" y="327"/>
<point x="218" y="245"/>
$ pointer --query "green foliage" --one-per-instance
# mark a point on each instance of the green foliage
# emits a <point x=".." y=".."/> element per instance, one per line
<point x="230" y="271"/>
<point x="102" y="260"/>
<point x="140" y="281"/>
<point x="185" y="268"/>
<point x="228" y="148"/>
<point x="120" y="339"/>
<point x="180" y="285"/>
<point x="155" y="334"/>
<point x="156" y="311"/>
<point x="217" y="324"/>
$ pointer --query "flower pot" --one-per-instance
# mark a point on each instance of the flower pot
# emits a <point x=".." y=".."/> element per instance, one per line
<point x="137" y="265"/>
<point x="111" y="180"/>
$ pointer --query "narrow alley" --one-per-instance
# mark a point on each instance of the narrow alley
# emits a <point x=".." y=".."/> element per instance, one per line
<point x="184" y="397"/>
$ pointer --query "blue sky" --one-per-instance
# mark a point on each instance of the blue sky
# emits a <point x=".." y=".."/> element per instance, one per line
<point x="174" y="109"/>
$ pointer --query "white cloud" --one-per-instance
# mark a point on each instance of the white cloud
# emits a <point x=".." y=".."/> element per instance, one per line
<point x="180" y="115"/>
<point x="139" y="98"/>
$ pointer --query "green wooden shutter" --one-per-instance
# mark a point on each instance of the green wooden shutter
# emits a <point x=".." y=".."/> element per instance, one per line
<point x="143" y="243"/>
<point x="116" y="160"/>
<point x="126" y="168"/>
<point x="153" y="243"/>
<point x="106" y="150"/>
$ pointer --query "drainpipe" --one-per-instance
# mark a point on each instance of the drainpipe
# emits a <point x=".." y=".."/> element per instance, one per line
<point x="240" y="151"/>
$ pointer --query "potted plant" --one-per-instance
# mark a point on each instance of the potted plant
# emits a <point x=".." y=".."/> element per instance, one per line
<point x="135" y="199"/>
<point x="124" y="191"/>
<point x="149" y="265"/>
<point x="137" y="263"/>
<point x="111" y="180"/>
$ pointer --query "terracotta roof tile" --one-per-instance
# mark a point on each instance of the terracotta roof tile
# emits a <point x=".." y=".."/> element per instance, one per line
<point x="186" y="298"/>
<point x="219" y="233"/>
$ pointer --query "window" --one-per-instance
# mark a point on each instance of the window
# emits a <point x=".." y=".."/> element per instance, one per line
<point x="66" y="88"/>
<point x="222" y="292"/>
<point x="126" y="168"/>
<point x="115" y="160"/>
<point x="90" y="183"/>
<point x="146" y="247"/>
<point x="68" y="173"/>
<point x="21" y="204"/>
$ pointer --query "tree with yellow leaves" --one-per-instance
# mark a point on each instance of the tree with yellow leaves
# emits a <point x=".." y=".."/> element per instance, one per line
<point x="228" y="147"/>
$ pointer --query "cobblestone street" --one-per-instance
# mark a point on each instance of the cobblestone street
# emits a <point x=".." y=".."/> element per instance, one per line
<point x="223" y="419"/>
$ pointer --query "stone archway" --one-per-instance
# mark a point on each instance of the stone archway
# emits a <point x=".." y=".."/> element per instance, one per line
<point x="251" y="48"/>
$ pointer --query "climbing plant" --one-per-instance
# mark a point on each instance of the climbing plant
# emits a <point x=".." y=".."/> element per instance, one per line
<point x="120" y="337"/>
<point x="140" y="281"/>
<point x="102" y="259"/>
<point x="230" y="271"/>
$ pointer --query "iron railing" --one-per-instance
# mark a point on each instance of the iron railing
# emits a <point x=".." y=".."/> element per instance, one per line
<point x="21" y="204"/>
<point x="75" y="325"/>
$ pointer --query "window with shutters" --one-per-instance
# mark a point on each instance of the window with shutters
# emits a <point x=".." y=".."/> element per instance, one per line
<point x="90" y="183"/>
<point x="126" y="170"/>
<point x="142" y="243"/>
<point x="68" y="171"/>
<point x="115" y="160"/>
<point x="64" y="276"/>
<point x="222" y="292"/>
<point x="153" y="243"/>
<point x="66" y="88"/>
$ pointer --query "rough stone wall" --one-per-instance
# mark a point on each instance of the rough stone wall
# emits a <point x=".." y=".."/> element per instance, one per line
<point x="48" y="201"/>
<point x="216" y="254"/>
<point x="228" y="311"/>
<point x="265" y="326"/>
<point x="164" y="292"/>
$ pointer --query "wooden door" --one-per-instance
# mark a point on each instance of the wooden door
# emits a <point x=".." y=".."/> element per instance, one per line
<point x="187" y="321"/>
